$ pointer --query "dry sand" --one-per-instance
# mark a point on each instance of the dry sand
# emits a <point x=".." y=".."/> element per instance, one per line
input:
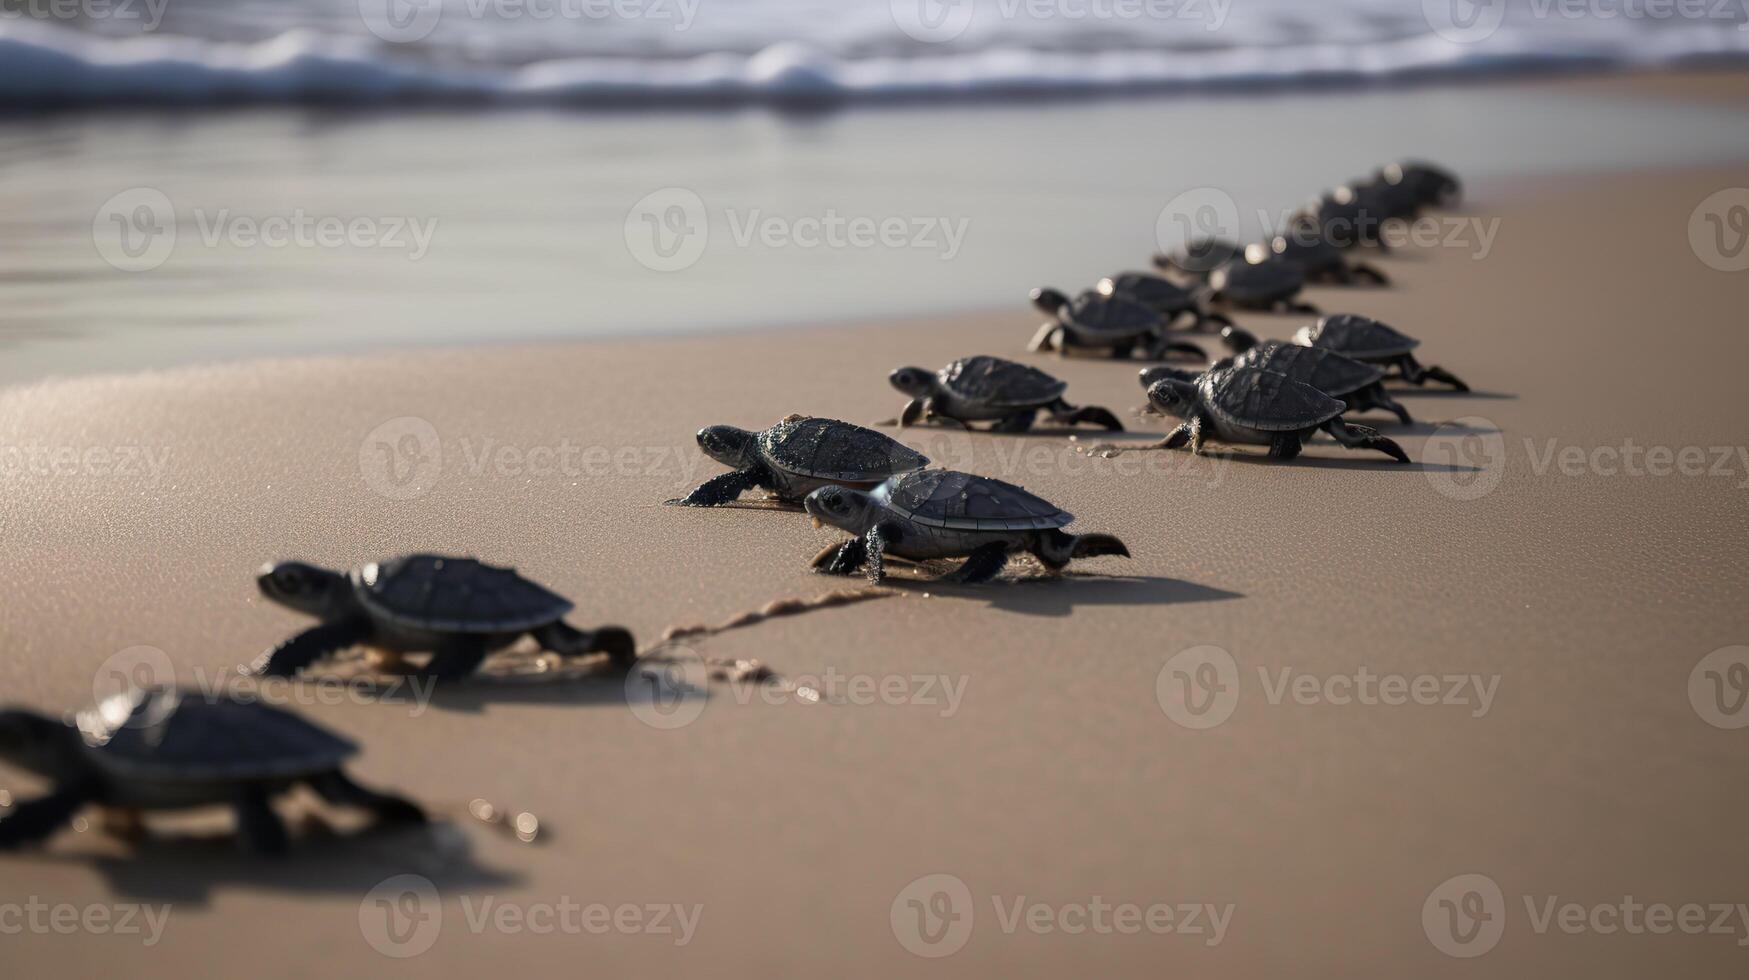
<point x="1587" y="599"/>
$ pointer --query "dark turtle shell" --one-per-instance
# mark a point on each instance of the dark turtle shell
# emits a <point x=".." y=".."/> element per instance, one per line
<point x="455" y="595"/>
<point x="961" y="501"/>
<point x="171" y="734"/>
<point x="1347" y="216"/>
<point x="993" y="381"/>
<point x="1098" y="317"/>
<point x="1267" y="400"/>
<point x="1159" y="294"/>
<point x="1258" y="282"/>
<point x="1357" y="336"/>
<point x="1330" y="372"/>
<point x="1428" y="184"/>
<point x="828" y="449"/>
<point x="1201" y="256"/>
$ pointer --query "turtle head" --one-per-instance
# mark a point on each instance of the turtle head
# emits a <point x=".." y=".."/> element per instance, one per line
<point x="1173" y="397"/>
<point x="1154" y="375"/>
<point x="1048" y="300"/>
<point x="843" y="508"/>
<point x="38" y="744"/>
<point x="306" y="588"/>
<point x="913" y="381"/>
<point x="1238" y="339"/>
<point x="727" y="445"/>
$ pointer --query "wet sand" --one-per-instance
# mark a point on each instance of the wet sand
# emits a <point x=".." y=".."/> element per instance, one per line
<point x="1574" y="608"/>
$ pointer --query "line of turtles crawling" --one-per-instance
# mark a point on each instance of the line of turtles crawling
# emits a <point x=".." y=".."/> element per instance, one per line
<point x="157" y="748"/>
<point x="1277" y="394"/>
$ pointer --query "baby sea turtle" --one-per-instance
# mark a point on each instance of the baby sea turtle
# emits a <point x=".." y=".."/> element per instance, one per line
<point x="1320" y="261"/>
<point x="1112" y="324"/>
<point x="459" y="609"/>
<point x="974" y="389"/>
<point x="160" y="748"/>
<point x="1366" y="339"/>
<point x="1426" y="184"/>
<point x="1269" y="285"/>
<point x="1356" y="383"/>
<point x="795" y="457"/>
<point x="1264" y="408"/>
<point x="1198" y="257"/>
<point x="1349" y="216"/>
<point x="947" y="514"/>
<point x="1163" y="296"/>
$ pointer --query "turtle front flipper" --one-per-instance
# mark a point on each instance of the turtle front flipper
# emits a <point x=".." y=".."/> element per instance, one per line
<point x="719" y="490"/>
<point x="1064" y="413"/>
<point x="36" y="820"/>
<point x="915" y="411"/>
<point x="1415" y="373"/>
<point x="259" y="829"/>
<point x="875" y="544"/>
<point x="983" y="564"/>
<point x="568" y="641"/>
<point x="336" y="788"/>
<point x="842" y="559"/>
<point x="304" y="649"/>
<point x="1047" y="339"/>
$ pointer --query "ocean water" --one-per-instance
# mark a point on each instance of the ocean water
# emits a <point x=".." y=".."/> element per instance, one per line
<point x="688" y="51"/>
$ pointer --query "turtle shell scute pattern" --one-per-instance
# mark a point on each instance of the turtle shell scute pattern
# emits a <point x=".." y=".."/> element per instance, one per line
<point x="1258" y="282"/>
<point x="1267" y="400"/>
<point x="829" y="449"/>
<point x="1356" y="336"/>
<point x="962" y="501"/>
<point x="458" y="595"/>
<point x="1109" y="316"/>
<point x="167" y="733"/>
<point x="1155" y="292"/>
<point x="994" y="381"/>
<point x="1328" y="371"/>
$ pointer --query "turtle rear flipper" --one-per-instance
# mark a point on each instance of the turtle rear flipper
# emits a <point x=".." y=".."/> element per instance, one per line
<point x="304" y="649"/>
<point x="1064" y="413"/>
<point x="35" y="820"/>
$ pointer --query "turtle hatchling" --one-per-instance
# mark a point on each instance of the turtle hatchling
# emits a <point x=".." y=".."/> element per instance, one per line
<point x="1426" y="184"/>
<point x="458" y="609"/>
<point x="1163" y="296"/>
<point x="1270" y="285"/>
<point x="1117" y="326"/>
<point x="161" y="748"/>
<point x="1263" y="408"/>
<point x="797" y="456"/>
<point x="1366" y="339"/>
<point x="932" y="514"/>
<point x="979" y="389"/>
<point x="1358" y="383"/>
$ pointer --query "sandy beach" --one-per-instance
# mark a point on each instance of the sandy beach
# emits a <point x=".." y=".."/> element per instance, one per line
<point x="1566" y="550"/>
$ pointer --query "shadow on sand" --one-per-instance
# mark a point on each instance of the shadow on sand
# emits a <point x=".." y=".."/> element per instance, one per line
<point x="1062" y="595"/>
